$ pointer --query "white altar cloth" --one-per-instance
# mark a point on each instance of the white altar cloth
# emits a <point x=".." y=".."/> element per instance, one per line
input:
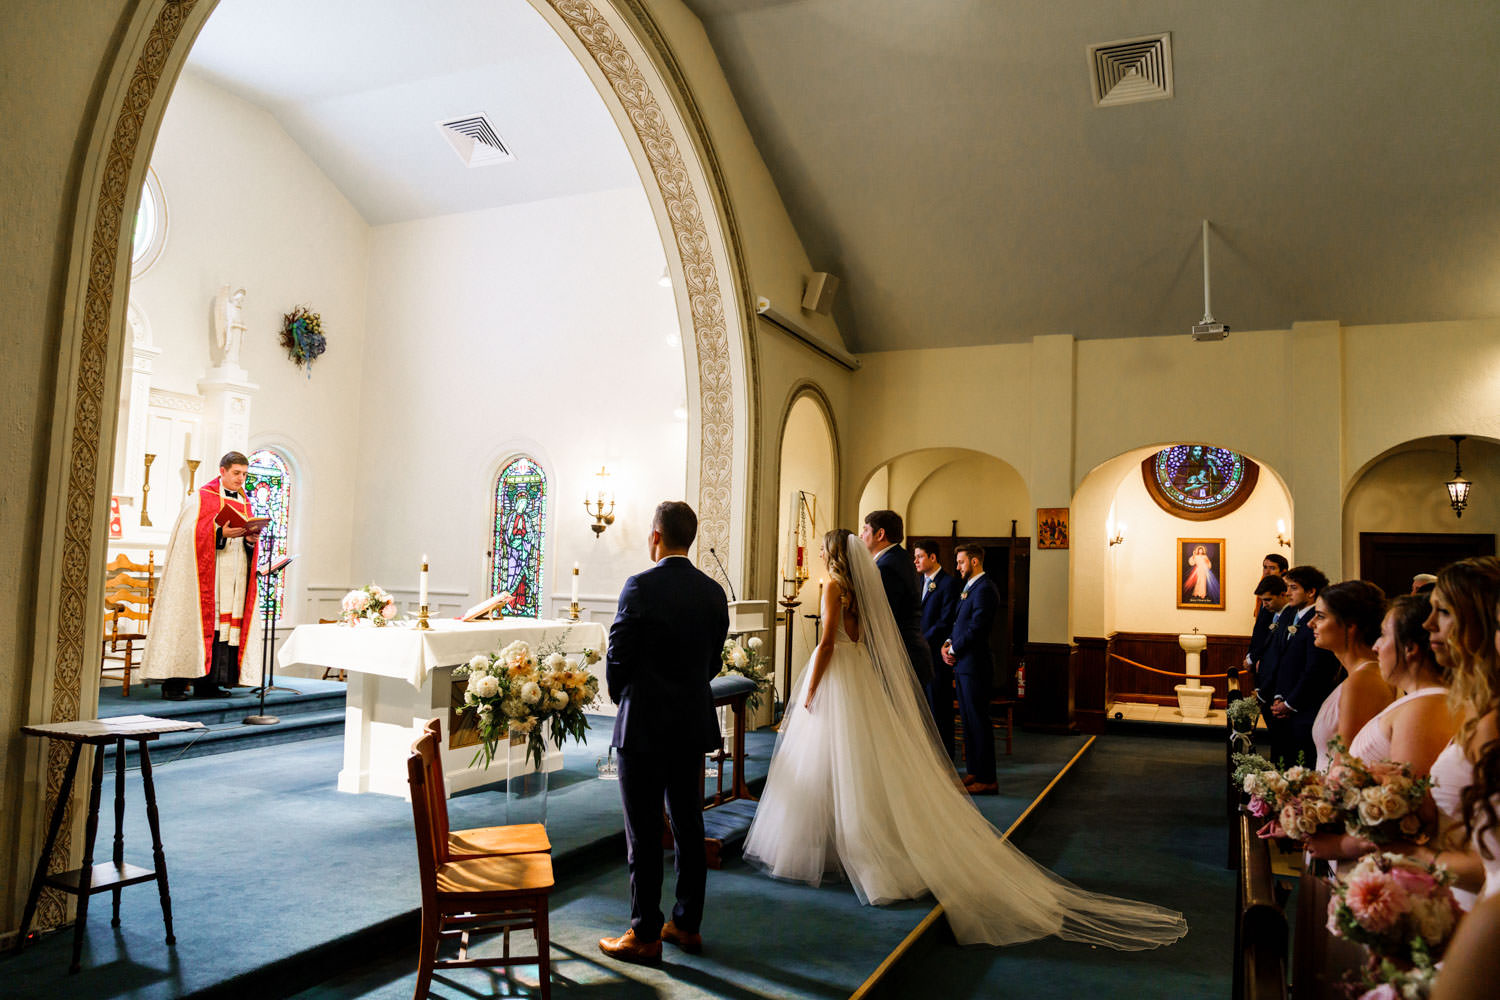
<point x="400" y="677"/>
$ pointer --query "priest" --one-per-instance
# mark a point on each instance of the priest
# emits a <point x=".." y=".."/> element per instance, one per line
<point x="204" y="617"/>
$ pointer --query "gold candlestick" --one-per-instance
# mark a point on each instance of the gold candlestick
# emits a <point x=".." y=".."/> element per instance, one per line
<point x="573" y="611"/>
<point x="422" y="622"/>
<point x="146" y="490"/>
<point x="192" y="465"/>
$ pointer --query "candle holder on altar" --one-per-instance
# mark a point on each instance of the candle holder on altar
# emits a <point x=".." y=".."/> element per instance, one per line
<point x="146" y="490"/>
<point x="790" y="587"/>
<point x="573" y="611"/>
<point x="192" y="465"/>
<point x="422" y="623"/>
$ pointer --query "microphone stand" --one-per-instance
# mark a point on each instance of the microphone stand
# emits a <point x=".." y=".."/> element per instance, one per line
<point x="267" y="652"/>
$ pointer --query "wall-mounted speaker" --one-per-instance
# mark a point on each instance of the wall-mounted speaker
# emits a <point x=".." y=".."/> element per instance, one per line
<point x="818" y="296"/>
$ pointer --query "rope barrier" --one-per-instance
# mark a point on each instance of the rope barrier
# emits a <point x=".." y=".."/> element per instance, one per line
<point x="1168" y="673"/>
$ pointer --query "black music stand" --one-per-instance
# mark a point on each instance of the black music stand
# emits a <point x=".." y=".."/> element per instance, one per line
<point x="268" y="645"/>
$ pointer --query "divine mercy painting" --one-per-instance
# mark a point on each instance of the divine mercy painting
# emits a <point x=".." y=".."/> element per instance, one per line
<point x="1200" y="573"/>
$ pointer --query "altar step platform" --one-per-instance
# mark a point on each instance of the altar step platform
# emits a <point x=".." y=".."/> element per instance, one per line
<point x="312" y="709"/>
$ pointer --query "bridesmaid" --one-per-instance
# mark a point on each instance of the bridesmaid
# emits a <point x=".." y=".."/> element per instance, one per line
<point x="1346" y="622"/>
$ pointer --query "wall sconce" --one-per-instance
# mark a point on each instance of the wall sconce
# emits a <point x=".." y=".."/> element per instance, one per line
<point x="600" y="505"/>
<point x="1282" y="538"/>
<point x="1119" y="535"/>
<point x="1458" y="486"/>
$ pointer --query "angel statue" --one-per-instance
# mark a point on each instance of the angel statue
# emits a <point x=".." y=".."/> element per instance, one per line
<point x="229" y="324"/>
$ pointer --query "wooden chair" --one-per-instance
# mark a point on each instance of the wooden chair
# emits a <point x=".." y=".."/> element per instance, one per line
<point x="489" y="895"/>
<point x="1003" y="716"/>
<point x="479" y="842"/>
<point x="129" y="600"/>
<point x="343" y="675"/>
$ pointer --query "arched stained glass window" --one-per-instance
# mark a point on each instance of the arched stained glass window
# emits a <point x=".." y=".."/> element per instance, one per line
<point x="519" y="530"/>
<point x="269" y="486"/>
<point x="1199" y="482"/>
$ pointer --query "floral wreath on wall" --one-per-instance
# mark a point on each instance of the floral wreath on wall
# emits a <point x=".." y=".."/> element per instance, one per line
<point x="302" y="336"/>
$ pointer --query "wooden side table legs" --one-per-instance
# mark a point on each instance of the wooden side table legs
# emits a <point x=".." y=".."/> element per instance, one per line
<point x="52" y="828"/>
<point x="119" y="853"/>
<point x="86" y="871"/>
<point x="158" y="856"/>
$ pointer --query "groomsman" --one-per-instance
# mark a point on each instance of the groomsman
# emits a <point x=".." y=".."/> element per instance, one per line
<point x="1302" y="675"/>
<point x="939" y="609"/>
<point x="1270" y="598"/>
<point x="882" y="533"/>
<point x="968" y="653"/>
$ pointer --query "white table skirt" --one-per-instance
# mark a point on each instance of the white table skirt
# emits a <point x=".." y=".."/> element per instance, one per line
<point x="399" y="678"/>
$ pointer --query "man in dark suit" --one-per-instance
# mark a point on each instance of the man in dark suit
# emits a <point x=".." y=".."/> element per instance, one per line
<point x="1302" y="675"/>
<point x="939" y="608"/>
<point x="967" y="651"/>
<point x="664" y="648"/>
<point x="1270" y="598"/>
<point x="882" y="533"/>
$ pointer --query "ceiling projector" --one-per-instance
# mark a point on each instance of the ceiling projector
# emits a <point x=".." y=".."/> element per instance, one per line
<point x="1210" y="330"/>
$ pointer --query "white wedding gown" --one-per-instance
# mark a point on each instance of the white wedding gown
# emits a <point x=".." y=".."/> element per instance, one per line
<point x="860" y="787"/>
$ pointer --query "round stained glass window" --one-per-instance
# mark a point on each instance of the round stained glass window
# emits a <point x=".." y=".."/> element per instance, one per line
<point x="1199" y="482"/>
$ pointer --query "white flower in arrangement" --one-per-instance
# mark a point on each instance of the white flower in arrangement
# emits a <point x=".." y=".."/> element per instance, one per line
<point x="356" y="600"/>
<point x="738" y="658"/>
<point x="729" y="645"/>
<point x="570" y="663"/>
<point x="590" y="656"/>
<point x="559" y="699"/>
<point x="531" y="692"/>
<point x="754" y="642"/>
<point x="513" y="708"/>
<point x="555" y="661"/>
<point x="484" y="686"/>
<point x="479" y="663"/>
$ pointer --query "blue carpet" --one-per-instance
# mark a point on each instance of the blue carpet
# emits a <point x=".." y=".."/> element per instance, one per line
<point x="764" y="938"/>
<point x="1136" y="817"/>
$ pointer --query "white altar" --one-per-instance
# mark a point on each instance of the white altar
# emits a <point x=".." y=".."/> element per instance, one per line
<point x="400" y="677"/>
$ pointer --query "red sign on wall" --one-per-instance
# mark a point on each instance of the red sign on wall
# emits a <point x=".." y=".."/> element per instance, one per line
<point x="116" y="527"/>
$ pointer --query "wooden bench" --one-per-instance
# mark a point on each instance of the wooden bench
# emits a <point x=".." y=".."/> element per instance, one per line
<point x="1260" y="929"/>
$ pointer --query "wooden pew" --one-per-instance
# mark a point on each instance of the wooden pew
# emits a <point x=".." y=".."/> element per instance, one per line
<point x="1260" y="928"/>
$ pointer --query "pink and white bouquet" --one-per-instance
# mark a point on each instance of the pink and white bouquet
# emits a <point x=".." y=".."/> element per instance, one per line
<point x="1400" y="909"/>
<point x="516" y="696"/>
<point x="370" y="603"/>
<point x="1378" y="800"/>
<point x="1295" y="798"/>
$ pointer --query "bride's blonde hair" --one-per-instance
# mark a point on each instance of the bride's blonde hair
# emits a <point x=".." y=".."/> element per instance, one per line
<point x="836" y="552"/>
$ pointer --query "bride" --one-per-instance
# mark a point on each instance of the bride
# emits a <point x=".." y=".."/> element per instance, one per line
<point x="860" y="787"/>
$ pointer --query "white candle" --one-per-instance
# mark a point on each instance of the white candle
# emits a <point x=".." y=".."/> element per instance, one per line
<point x="422" y="583"/>
<point x="574" y="596"/>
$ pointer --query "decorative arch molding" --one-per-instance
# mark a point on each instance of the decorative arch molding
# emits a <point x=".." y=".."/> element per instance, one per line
<point x="626" y="55"/>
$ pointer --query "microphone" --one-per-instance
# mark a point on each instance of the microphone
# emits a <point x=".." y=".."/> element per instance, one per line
<point x="724" y="571"/>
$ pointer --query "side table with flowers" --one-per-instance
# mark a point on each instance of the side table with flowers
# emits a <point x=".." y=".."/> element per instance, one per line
<point x="746" y="660"/>
<point x="368" y="604"/>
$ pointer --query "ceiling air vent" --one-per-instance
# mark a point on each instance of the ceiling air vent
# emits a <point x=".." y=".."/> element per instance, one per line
<point x="475" y="141"/>
<point x="1131" y="71"/>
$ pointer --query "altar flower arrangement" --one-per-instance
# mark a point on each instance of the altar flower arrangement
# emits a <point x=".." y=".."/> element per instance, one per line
<point x="514" y="694"/>
<point x="302" y="337"/>
<point x="749" y="662"/>
<point x="370" y="603"/>
<point x="1403" y="912"/>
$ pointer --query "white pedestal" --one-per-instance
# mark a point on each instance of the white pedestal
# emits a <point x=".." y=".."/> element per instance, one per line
<point x="226" y="413"/>
<point x="383" y="716"/>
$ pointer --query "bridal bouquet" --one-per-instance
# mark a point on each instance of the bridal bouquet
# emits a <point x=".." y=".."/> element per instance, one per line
<point x="370" y="603"/>
<point x="1402" y="911"/>
<point x="515" y="694"/>
<point x="1378" y="800"/>
<point x="1296" y="798"/>
<point x="747" y="661"/>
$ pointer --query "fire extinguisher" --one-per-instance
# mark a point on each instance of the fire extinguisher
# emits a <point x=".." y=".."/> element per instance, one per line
<point x="1021" y="680"/>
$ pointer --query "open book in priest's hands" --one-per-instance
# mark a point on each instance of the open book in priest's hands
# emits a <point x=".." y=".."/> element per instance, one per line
<point x="229" y="517"/>
<point x="486" y="607"/>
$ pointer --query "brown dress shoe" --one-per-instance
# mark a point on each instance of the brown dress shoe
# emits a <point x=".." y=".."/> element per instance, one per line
<point x="629" y="948"/>
<point x="690" y="943"/>
<point x="981" y="788"/>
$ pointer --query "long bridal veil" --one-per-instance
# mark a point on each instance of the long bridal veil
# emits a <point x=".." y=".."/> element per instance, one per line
<point x="990" y="891"/>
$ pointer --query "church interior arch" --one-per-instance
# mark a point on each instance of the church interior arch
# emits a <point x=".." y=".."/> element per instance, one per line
<point x="1403" y="490"/>
<point x="932" y="487"/>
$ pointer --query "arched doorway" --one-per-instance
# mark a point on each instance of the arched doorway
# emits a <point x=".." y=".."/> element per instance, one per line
<point x="622" y="52"/>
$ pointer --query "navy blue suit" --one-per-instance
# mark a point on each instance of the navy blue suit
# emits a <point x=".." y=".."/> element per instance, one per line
<point x="664" y="649"/>
<point x="974" y="674"/>
<point x="939" y="609"/>
<point x="898" y="576"/>
<point x="1302" y="676"/>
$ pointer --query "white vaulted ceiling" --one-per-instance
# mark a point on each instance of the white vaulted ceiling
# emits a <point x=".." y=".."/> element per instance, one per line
<point x="946" y="159"/>
<point x="360" y="84"/>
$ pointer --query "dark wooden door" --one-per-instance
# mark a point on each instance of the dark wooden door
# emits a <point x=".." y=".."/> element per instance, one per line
<point x="1390" y="559"/>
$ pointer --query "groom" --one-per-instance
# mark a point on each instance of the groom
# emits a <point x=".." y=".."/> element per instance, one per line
<point x="882" y="533"/>
<point x="664" y="648"/>
<point x="968" y="653"/>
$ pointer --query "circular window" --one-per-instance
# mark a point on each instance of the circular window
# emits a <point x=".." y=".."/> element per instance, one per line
<point x="1199" y="482"/>
<point x="150" y="226"/>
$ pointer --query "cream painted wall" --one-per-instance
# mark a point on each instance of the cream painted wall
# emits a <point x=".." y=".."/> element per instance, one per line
<point x="536" y="328"/>
<point x="237" y="188"/>
<point x="983" y="493"/>
<point x="1404" y="492"/>
<point x="808" y="463"/>
<point x="1142" y="570"/>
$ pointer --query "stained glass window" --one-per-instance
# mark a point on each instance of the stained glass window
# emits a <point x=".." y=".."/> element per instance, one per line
<point x="270" y="488"/>
<point x="1199" y="482"/>
<point x="519" y="529"/>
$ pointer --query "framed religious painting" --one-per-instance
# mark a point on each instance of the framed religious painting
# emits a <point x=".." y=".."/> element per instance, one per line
<point x="1200" y="573"/>
<point x="1052" y="527"/>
